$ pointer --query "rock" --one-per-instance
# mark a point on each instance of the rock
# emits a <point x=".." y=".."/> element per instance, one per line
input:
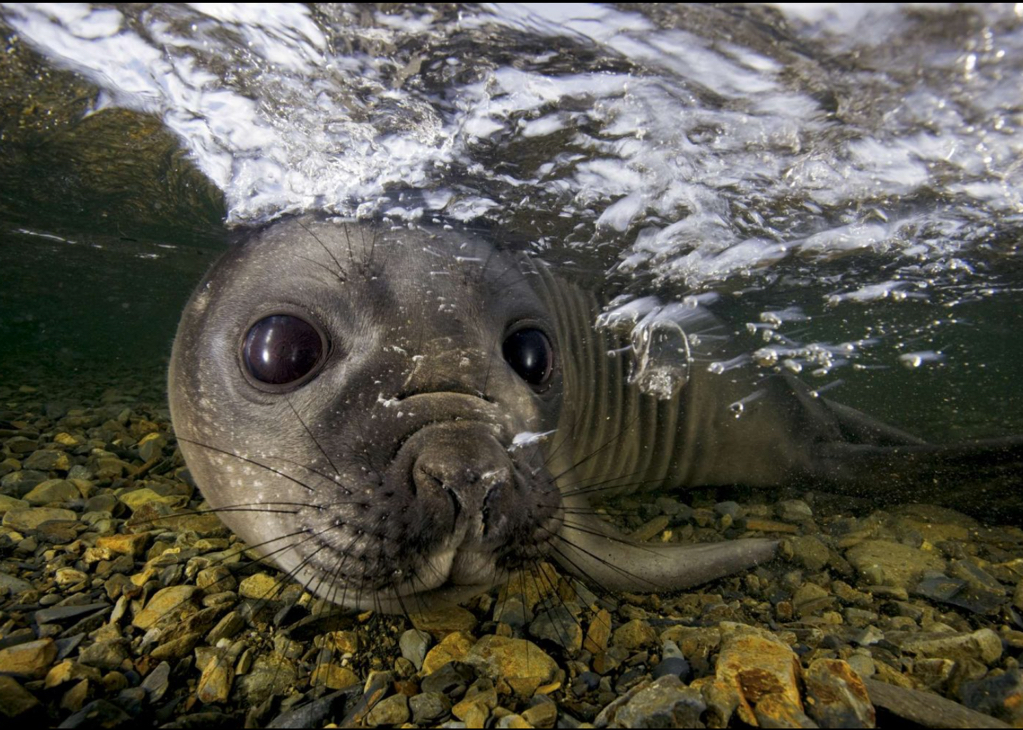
<point x="926" y="709"/>
<point x="793" y="510"/>
<point x="778" y="711"/>
<point x="30" y="660"/>
<point x="25" y="520"/>
<point x="315" y="714"/>
<point x="389" y="712"/>
<point x="9" y="503"/>
<point x="226" y="628"/>
<point x="560" y="627"/>
<point x="107" y="655"/>
<point x="261" y="587"/>
<point x="838" y="696"/>
<point x="52" y="490"/>
<point x="15" y="700"/>
<point x="650" y="529"/>
<point x="754" y="664"/>
<point x="97" y="714"/>
<point x="451" y="679"/>
<point x="166" y="606"/>
<point x="138" y="498"/>
<point x="216" y="579"/>
<point x="128" y="544"/>
<point x="334" y="676"/>
<point x="521" y="664"/>
<point x="216" y="679"/>
<point x="900" y="565"/>
<point x="598" y="633"/>
<point x="428" y="708"/>
<point x="454" y="647"/>
<point x="13" y="584"/>
<point x="635" y="634"/>
<point x="156" y="682"/>
<point x="271" y="674"/>
<point x="48" y="460"/>
<point x="665" y="702"/>
<point x="983" y="645"/>
<point x="69" y="671"/>
<point x="414" y="645"/>
<point x="60" y="614"/>
<point x="999" y="696"/>
<point x="443" y="622"/>
<point x="513" y="611"/>
<point x="672" y="666"/>
<point x="809" y="552"/>
<point x="541" y="714"/>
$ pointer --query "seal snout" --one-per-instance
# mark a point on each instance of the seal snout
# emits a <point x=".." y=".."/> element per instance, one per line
<point x="459" y="475"/>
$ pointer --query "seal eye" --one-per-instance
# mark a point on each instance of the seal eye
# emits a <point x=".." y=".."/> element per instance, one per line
<point x="530" y="354"/>
<point x="281" y="349"/>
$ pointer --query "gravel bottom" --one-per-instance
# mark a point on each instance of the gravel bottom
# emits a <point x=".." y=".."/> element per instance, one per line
<point x="122" y="604"/>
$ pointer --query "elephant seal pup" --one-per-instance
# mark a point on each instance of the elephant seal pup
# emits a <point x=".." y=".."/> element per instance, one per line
<point x="399" y="416"/>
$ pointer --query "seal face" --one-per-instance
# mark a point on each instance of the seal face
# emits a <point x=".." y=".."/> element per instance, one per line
<point x="349" y="398"/>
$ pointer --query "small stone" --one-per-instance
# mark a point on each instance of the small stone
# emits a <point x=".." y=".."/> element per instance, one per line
<point x="156" y="682"/>
<point x="810" y="598"/>
<point x="15" y="700"/>
<point x="560" y="627"/>
<point x="226" y="628"/>
<point x="675" y="666"/>
<point x="454" y="647"/>
<point x="69" y="671"/>
<point x="443" y="622"/>
<point x="651" y="529"/>
<point x="216" y="579"/>
<point x="900" y="565"/>
<point x="8" y="503"/>
<point x="261" y="587"/>
<point x="30" y="519"/>
<point x="128" y="544"/>
<point x="635" y="634"/>
<point x="104" y="654"/>
<point x="48" y="460"/>
<point x="793" y="510"/>
<point x="810" y="552"/>
<point x="777" y="710"/>
<point x="177" y="648"/>
<point x="519" y="663"/>
<point x="389" y="712"/>
<point x="334" y="676"/>
<point x="513" y="611"/>
<point x="839" y="697"/>
<point x="167" y="605"/>
<point x="216" y="680"/>
<point x="1000" y="696"/>
<point x="97" y="714"/>
<point x="414" y="644"/>
<point x="983" y="645"/>
<point x="543" y="715"/>
<point x="759" y="524"/>
<point x="30" y="660"/>
<point x="429" y="708"/>
<point x="598" y="633"/>
<point x="52" y="490"/>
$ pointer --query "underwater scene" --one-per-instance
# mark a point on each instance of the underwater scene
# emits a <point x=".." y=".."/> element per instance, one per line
<point x="511" y="365"/>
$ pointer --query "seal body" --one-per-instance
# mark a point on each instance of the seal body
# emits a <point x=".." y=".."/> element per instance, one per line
<point x="397" y="416"/>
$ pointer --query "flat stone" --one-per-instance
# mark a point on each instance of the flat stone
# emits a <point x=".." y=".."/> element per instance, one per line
<point x="52" y="490"/>
<point x="167" y="605"/>
<point x="216" y="680"/>
<point x="983" y="644"/>
<point x="59" y="614"/>
<point x="519" y="663"/>
<point x="666" y="702"/>
<point x="157" y="682"/>
<point x="261" y="587"/>
<point x="635" y="634"/>
<point x="30" y="519"/>
<point x="560" y="627"/>
<point x="598" y="633"/>
<point x="15" y="700"/>
<point x="443" y="622"/>
<point x="106" y="655"/>
<point x="429" y="707"/>
<point x="809" y="552"/>
<point x="48" y="460"/>
<point x="8" y="503"/>
<point x="334" y="676"/>
<point x="129" y="544"/>
<point x="97" y="714"/>
<point x="901" y="565"/>
<point x="30" y="660"/>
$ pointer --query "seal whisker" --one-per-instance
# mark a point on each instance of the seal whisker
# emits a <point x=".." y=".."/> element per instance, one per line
<point x="247" y="460"/>
<point x="596" y="451"/>
<point x="313" y="437"/>
<point x="342" y="274"/>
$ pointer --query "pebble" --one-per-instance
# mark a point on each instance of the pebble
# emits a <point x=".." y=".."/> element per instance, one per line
<point x="414" y="644"/>
<point x="634" y="635"/>
<point x="52" y="490"/>
<point x="166" y="606"/>
<point x="441" y="623"/>
<point x="520" y="664"/>
<point x="753" y="663"/>
<point x="453" y="647"/>
<point x="15" y="700"/>
<point x="389" y="712"/>
<point x="893" y="564"/>
<point x="837" y="696"/>
<point x="558" y="626"/>
<point x="26" y="520"/>
<point x="429" y="708"/>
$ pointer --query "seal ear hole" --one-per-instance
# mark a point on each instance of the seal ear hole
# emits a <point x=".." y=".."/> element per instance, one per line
<point x="530" y="354"/>
<point x="283" y="350"/>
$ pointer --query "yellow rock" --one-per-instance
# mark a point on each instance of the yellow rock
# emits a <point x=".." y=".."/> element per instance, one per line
<point x="756" y="665"/>
<point x="598" y="633"/>
<point x="167" y="605"/>
<point x="30" y="660"/>
<point x="521" y="664"/>
<point x="334" y="676"/>
<point x="133" y="545"/>
<point x="261" y="586"/>
<point x="453" y="647"/>
<point x="445" y="621"/>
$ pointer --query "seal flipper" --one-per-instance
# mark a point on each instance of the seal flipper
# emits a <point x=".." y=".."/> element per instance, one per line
<point x="591" y="550"/>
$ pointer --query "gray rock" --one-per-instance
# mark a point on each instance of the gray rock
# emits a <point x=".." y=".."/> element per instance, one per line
<point x="428" y="708"/>
<point x="315" y="714"/>
<point x="99" y="713"/>
<point x="60" y="614"/>
<point x="104" y="654"/>
<point x="560" y="627"/>
<point x="666" y="702"/>
<point x="21" y="482"/>
<point x="156" y="682"/>
<point x="389" y="712"/>
<point x="839" y="697"/>
<point x="414" y="644"/>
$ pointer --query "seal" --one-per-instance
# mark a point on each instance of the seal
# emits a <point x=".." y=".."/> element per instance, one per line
<point x="398" y="416"/>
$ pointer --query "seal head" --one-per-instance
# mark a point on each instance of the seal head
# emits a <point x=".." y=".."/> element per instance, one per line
<point x="349" y="400"/>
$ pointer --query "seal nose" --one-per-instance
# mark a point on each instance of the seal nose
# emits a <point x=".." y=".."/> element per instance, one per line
<point x="461" y="477"/>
